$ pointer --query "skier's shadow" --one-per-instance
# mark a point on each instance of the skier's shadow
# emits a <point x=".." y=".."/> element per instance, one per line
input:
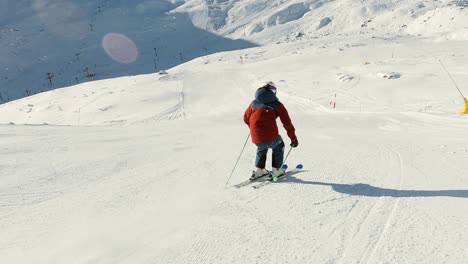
<point x="361" y="189"/>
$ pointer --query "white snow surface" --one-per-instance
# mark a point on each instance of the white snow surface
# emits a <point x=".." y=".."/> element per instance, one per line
<point x="134" y="169"/>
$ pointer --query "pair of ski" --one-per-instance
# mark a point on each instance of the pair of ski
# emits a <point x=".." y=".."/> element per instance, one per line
<point x="268" y="178"/>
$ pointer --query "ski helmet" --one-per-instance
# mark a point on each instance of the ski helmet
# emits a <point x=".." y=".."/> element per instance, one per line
<point x="270" y="86"/>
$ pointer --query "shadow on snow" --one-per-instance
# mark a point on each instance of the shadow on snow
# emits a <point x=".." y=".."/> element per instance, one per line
<point x="361" y="189"/>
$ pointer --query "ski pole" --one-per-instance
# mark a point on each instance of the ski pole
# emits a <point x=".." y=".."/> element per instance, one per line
<point x="275" y="177"/>
<point x="235" y="165"/>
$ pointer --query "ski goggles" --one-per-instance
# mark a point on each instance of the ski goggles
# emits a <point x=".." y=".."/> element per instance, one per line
<point x="271" y="86"/>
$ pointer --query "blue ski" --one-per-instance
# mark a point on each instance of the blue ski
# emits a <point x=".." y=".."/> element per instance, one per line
<point x="297" y="169"/>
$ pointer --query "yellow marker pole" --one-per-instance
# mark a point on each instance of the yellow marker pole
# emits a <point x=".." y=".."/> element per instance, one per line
<point x="465" y="110"/>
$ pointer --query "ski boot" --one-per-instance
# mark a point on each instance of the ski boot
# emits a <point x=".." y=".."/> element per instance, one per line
<point x="259" y="173"/>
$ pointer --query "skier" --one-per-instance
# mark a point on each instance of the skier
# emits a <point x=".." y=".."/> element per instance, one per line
<point x="261" y="116"/>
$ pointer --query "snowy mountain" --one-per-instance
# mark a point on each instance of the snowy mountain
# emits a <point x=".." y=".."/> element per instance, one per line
<point x="52" y="44"/>
<point x="134" y="165"/>
<point x="48" y="44"/>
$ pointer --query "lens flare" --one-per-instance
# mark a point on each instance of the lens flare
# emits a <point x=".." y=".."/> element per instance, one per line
<point x="120" y="48"/>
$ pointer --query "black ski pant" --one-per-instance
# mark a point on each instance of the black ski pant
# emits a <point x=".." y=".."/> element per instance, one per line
<point x="277" y="157"/>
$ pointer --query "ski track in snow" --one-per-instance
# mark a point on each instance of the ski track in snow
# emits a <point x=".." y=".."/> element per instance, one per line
<point x="173" y="113"/>
<point x="364" y="218"/>
<point x="393" y="210"/>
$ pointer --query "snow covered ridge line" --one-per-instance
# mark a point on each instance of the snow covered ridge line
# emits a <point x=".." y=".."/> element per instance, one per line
<point x="230" y="16"/>
<point x="315" y="18"/>
<point x="463" y="3"/>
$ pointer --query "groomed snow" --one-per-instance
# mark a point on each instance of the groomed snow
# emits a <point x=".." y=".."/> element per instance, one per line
<point x="134" y="169"/>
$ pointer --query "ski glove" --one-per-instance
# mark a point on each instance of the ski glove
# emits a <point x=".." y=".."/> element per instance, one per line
<point x="294" y="142"/>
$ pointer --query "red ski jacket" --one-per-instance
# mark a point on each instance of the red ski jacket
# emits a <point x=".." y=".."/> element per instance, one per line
<point x="261" y="116"/>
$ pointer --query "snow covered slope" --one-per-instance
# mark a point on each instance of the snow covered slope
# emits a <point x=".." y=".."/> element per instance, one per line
<point x="367" y="75"/>
<point x="48" y="44"/>
<point x="134" y="169"/>
<point x="138" y="174"/>
<point x="272" y="20"/>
